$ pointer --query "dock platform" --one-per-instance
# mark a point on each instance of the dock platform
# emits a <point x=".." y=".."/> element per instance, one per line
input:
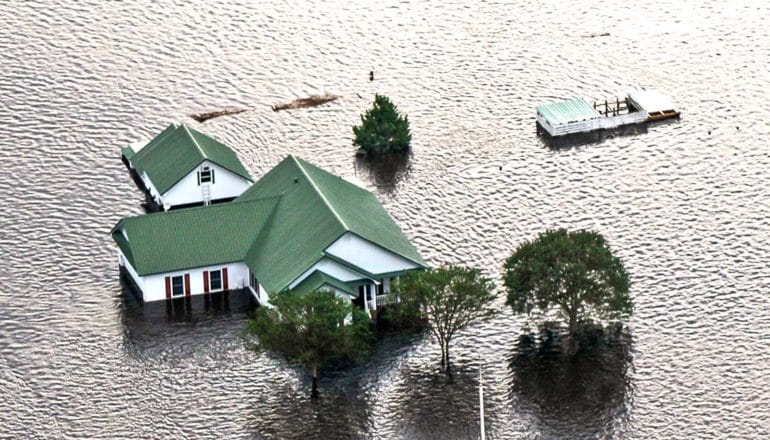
<point x="580" y="116"/>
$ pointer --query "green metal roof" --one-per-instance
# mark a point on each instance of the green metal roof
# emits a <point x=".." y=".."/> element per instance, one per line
<point x="567" y="111"/>
<point x="176" y="151"/>
<point x="318" y="280"/>
<point x="362" y="213"/>
<point x="195" y="237"/>
<point x="127" y="152"/>
<point x="319" y="207"/>
<point x="279" y="227"/>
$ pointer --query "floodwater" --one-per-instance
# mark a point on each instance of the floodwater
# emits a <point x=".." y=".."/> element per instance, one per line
<point x="684" y="203"/>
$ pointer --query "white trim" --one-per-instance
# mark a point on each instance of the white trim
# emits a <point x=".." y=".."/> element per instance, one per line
<point x="332" y="269"/>
<point x="182" y="293"/>
<point x="195" y="142"/>
<point x="368" y="255"/>
<point x="221" y="283"/>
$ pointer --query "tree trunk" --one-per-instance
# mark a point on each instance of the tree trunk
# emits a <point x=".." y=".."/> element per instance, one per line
<point x="314" y="373"/>
<point x="446" y="355"/>
<point x="571" y="347"/>
<point x="443" y="355"/>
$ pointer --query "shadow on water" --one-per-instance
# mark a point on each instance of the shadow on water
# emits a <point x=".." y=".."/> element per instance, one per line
<point x="386" y="170"/>
<point x="342" y="406"/>
<point x="568" y="142"/>
<point x="148" y="204"/>
<point x="433" y="404"/>
<point x="195" y="321"/>
<point x="585" y="394"/>
<point x="289" y="413"/>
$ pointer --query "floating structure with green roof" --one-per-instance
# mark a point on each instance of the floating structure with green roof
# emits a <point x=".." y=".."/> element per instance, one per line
<point x="579" y="116"/>
<point x="183" y="167"/>
<point x="298" y="228"/>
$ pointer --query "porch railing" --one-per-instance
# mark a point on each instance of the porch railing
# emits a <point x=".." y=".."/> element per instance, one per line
<point x="381" y="300"/>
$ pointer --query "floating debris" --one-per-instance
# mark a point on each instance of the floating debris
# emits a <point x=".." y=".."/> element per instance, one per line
<point x="603" y="34"/>
<point x="312" y="101"/>
<point x="202" y="117"/>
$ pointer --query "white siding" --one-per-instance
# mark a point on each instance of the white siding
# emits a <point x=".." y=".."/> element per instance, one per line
<point x="123" y="261"/>
<point x="369" y="257"/>
<point x="263" y="297"/>
<point x="332" y="268"/>
<point x="226" y="185"/>
<point x="154" y="286"/>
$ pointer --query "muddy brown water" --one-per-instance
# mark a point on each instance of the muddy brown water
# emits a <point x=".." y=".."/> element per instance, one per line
<point x="685" y="204"/>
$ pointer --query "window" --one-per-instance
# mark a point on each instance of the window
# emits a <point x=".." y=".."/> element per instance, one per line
<point x="206" y="175"/>
<point x="215" y="279"/>
<point x="177" y="285"/>
<point x="381" y="287"/>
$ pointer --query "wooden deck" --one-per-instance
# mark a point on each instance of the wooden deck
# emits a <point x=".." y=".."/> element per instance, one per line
<point x="638" y="107"/>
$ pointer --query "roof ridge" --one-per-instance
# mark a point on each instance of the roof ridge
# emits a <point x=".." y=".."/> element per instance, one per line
<point x="195" y="141"/>
<point x="265" y="226"/>
<point x="320" y="193"/>
<point x="144" y="151"/>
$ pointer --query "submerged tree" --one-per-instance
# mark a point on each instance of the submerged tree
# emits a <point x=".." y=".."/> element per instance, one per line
<point x="447" y="299"/>
<point x="573" y="272"/>
<point x="382" y="129"/>
<point x="311" y="330"/>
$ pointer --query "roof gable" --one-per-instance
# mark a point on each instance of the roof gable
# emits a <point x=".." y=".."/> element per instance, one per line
<point x="319" y="280"/>
<point x="316" y="209"/>
<point x="300" y="229"/>
<point x="177" y="150"/>
<point x="362" y="213"/>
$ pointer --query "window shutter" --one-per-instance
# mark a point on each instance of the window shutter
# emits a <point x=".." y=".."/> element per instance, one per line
<point x="199" y="178"/>
<point x="212" y="176"/>
<point x="187" y="284"/>
<point x="205" y="281"/>
<point x="168" y="287"/>
<point x="224" y="278"/>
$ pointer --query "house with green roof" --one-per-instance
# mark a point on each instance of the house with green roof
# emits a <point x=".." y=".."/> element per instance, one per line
<point x="298" y="228"/>
<point x="184" y="167"/>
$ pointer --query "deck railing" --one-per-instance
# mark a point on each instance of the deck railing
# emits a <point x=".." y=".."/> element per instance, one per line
<point x="381" y="300"/>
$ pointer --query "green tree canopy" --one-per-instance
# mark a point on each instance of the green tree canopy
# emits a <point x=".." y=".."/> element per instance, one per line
<point x="310" y="330"/>
<point x="382" y="129"/>
<point x="574" y="272"/>
<point x="447" y="299"/>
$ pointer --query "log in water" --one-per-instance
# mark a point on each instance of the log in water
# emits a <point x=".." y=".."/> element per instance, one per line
<point x="203" y="117"/>
<point x="311" y="101"/>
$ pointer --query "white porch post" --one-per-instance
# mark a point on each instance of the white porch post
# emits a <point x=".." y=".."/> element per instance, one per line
<point x="373" y="291"/>
<point x="366" y="301"/>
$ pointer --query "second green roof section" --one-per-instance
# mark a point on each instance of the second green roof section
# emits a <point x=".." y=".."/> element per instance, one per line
<point x="183" y="167"/>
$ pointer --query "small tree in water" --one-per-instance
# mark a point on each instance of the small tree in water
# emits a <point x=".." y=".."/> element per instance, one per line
<point x="309" y="330"/>
<point x="382" y="129"/>
<point x="447" y="300"/>
<point x="574" y="272"/>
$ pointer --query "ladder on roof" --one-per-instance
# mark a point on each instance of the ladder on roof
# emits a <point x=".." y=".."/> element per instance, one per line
<point x="206" y="194"/>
